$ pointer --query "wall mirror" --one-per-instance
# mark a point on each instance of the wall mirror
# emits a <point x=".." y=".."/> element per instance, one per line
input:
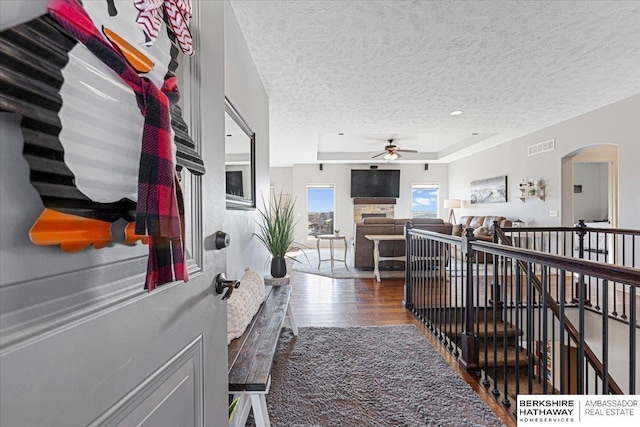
<point x="240" y="165"/>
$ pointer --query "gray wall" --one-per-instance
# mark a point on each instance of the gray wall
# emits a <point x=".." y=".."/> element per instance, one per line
<point x="246" y="92"/>
<point x="282" y="180"/>
<point x="615" y="124"/>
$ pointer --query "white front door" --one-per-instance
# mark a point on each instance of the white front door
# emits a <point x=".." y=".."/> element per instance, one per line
<point x="81" y="342"/>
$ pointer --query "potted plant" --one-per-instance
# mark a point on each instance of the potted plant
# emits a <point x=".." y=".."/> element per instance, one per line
<point x="276" y="231"/>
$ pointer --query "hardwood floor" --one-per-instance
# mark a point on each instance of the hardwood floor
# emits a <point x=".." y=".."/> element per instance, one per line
<point x="323" y="301"/>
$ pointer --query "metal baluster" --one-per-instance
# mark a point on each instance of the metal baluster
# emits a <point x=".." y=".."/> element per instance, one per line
<point x="420" y="286"/>
<point x="580" y="374"/>
<point x="422" y="289"/>
<point x="417" y="278"/>
<point x="426" y="292"/>
<point x="632" y="340"/>
<point x="505" y="401"/>
<point x="581" y="233"/>
<point x="415" y="302"/>
<point x="530" y="323"/>
<point x="518" y="310"/>
<point x="544" y="329"/>
<point x="496" y="300"/>
<point x="587" y="297"/>
<point x="510" y="262"/>
<point x="451" y="312"/>
<point x="597" y="306"/>
<point x="429" y="285"/>
<point x="442" y="295"/>
<point x="433" y="315"/>
<point x="563" y="301"/>
<point x="458" y="310"/>
<point x="557" y="253"/>
<point x="624" y="294"/>
<point x="553" y="334"/>
<point x="541" y="313"/>
<point x="615" y="299"/>
<point x="415" y="293"/>
<point x="425" y="284"/>
<point x="485" y="360"/>
<point x="605" y="338"/>
<point x="435" y="292"/>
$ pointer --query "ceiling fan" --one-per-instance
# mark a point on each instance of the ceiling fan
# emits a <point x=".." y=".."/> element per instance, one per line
<point x="391" y="151"/>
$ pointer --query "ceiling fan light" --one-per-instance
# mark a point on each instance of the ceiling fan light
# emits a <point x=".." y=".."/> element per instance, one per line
<point x="390" y="156"/>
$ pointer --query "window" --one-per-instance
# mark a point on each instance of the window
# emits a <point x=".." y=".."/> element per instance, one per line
<point x="424" y="200"/>
<point x="320" y="209"/>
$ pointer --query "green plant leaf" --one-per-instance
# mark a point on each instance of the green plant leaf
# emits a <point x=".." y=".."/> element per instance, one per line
<point x="276" y="225"/>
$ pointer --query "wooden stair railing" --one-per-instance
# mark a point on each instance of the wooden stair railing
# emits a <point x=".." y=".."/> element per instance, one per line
<point x="430" y="293"/>
<point x="610" y="384"/>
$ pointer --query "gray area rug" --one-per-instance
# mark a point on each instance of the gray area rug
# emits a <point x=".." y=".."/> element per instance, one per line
<point x="308" y="263"/>
<point x="368" y="376"/>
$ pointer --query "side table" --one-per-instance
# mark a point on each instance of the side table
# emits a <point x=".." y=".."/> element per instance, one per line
<point x="331" y="238"/>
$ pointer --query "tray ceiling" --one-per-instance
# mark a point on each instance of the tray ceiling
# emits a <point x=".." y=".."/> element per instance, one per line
<point x="376" y="70"/>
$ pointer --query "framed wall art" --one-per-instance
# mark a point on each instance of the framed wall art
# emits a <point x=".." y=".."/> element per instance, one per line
<point x="490" y="190"/>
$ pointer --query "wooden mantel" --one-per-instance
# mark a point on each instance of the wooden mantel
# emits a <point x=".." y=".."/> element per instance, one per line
<point x="374" y="201"/>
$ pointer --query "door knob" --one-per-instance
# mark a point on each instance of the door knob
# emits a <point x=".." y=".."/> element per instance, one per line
<point x="222" y="283"/>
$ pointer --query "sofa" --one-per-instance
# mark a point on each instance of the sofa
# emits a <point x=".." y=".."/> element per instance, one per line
<point x="481" y="230"/>
<point x="363" y="249"/>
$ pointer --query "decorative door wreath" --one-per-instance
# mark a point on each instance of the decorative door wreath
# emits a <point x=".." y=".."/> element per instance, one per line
<point x="96" y="87"/>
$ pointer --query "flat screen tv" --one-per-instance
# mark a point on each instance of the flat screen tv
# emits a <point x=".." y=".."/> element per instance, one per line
<point x="234" y="183"/>
<point x="375" y="183"/>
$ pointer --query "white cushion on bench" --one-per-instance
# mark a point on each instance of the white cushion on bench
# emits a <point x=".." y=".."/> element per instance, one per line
<point x="252" y="282"/>
<point x="244" y="303"/>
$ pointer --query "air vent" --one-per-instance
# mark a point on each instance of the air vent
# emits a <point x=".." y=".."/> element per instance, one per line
<point x="541" y="147"/>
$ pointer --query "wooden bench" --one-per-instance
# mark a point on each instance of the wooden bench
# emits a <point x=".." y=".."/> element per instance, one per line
<point x="251" y="356"/>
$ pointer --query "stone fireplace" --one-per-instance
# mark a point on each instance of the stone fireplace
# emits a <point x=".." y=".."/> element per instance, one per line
<point x="374" y="215"/>
<point x="364" y="207"/>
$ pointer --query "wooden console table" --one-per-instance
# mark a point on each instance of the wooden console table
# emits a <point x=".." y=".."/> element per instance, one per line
<point x="376" y="239"/>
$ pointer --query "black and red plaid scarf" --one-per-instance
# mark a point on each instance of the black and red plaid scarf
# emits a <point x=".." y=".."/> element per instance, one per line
<point x="160" y="209"/>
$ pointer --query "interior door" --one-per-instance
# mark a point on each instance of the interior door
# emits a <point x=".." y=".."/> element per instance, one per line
<point x="81" y="342"/>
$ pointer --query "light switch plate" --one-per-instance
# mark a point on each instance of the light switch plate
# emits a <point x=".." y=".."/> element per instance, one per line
<point x="553" y="214"/>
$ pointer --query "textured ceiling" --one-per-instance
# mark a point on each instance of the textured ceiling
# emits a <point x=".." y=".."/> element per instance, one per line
<point x="379" y="69"/>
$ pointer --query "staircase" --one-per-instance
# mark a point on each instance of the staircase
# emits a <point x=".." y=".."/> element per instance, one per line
<point x="551" y="294"/>
<point x="509" y="359"/>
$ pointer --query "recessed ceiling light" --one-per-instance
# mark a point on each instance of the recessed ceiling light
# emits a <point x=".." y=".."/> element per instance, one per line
<point x="341" y="133"/>
<point x="474" y="133"/>
<point x="456" y="112"/>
